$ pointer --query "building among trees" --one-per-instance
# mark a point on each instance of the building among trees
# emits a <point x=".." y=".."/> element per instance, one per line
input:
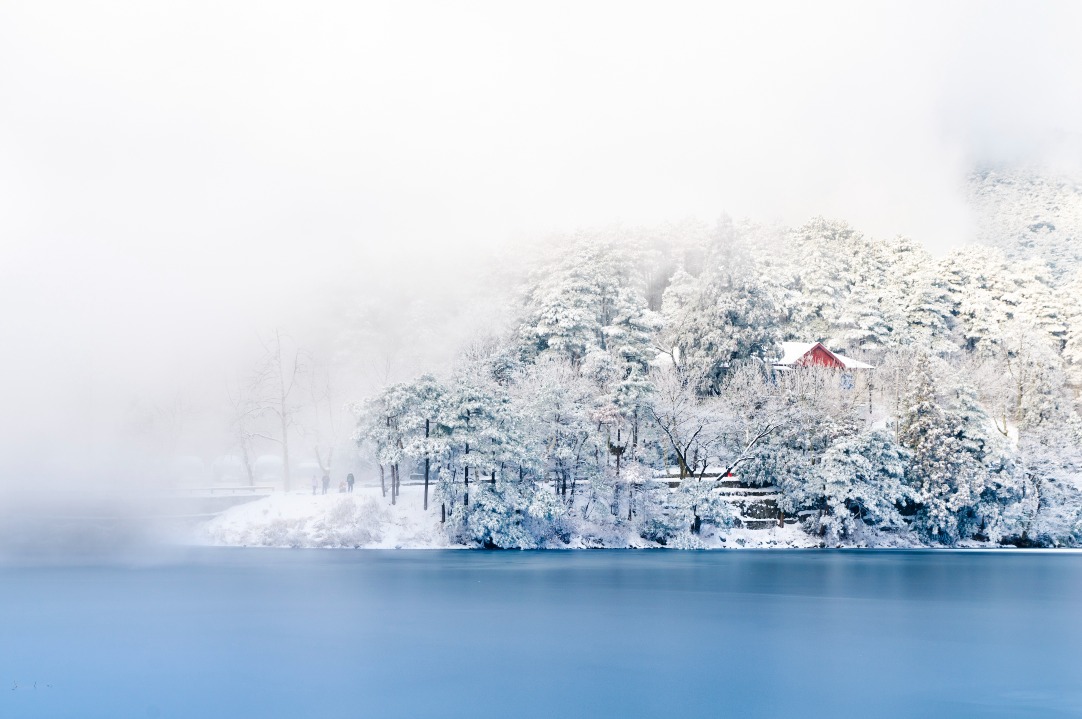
<point x="815" y="354"/>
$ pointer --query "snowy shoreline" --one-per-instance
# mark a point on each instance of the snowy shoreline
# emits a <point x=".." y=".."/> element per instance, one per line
<point x="366" y="520"/>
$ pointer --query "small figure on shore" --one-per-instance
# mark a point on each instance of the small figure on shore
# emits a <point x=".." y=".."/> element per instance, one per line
<point x="315" y="485"/>
<point x="342" y="487"/>
<point x="326" y="482"/>
<point x="349" y="482"/>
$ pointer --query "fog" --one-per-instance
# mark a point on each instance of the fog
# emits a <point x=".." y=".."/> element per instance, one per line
<point x="177" y="180"/>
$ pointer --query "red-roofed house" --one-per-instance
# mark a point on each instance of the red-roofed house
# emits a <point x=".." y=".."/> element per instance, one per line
<point x="815" y="354"/>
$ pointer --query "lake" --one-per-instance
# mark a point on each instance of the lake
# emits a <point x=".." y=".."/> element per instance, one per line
<point x="246" y="633"/>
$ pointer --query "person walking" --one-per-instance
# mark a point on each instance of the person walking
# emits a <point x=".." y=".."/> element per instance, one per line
<point x="326" y="482"/>
<point x="349" y="482"/>
<point x="315" y="484"/>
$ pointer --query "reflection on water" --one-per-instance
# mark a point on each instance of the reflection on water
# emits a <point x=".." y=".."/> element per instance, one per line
<point x="281" y="633"/>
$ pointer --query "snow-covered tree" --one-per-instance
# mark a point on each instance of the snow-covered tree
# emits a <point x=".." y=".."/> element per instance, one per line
<point x="821" y="267"/>
<point x="946" y="474"/>
<point x="916" y="299"/>
<point x="1030" y="216"/>
<point x="688" y="424"/>
<point x="716" y="320"/>
<point x="555" y="432"/>
<point x="1049" y="511"/>
<point x="590" y="299"/>
<point x="862" y="477"/>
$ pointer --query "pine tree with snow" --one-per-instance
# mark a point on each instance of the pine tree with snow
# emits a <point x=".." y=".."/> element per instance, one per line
<point x="922" y="311"/>
<point x="944" y="479"/>
<point x="863" y="482"/>
<point x="820" y="260"/>
<point x="717" y="320"/>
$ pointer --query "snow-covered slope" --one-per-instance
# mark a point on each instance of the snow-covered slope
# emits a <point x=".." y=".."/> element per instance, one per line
<point x="1030" y="216"/>
<point x="299" y="519"/>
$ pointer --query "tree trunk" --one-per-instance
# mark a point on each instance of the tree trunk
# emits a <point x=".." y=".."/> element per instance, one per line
<point x="382" y="486"/>
<point x="285" y="454"/>
<point x="283" y="412"/>
<point x="248" y="465"/>
<point x="426" y="466"/>
<point x="394" y="481"/>
<point x="683" y="464"/>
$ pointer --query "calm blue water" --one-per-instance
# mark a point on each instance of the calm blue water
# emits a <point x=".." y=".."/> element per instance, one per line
<point x="322" y="634"/>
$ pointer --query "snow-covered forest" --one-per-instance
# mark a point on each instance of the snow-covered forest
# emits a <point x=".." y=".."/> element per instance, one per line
<point x="636" y="396"/>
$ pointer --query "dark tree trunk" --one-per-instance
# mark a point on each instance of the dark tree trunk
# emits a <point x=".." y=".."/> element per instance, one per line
<point x="382" y="484"/>
<point x="426" y="466"/>
<point x="466" y="476"/>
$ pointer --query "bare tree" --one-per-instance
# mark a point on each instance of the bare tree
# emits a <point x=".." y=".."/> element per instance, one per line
<point x="686" y="420"/>
<point x="323" y="423"/>
<point x="277" y="377"/>
<point x="245" y="411"/>
<point x="698" y="428"/>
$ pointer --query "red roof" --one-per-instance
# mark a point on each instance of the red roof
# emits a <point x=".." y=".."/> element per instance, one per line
<point x="815" y="354"/>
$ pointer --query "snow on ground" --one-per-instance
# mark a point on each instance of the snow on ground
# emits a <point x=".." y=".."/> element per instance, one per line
<point x="789" y="536"/>
<point x="360" y="519"/>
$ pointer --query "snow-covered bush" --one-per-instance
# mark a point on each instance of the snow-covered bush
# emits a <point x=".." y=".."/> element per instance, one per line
<point x="351" y="524"/>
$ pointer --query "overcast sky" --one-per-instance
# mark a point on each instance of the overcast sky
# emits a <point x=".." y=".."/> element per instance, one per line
<point x="177" y="175"/>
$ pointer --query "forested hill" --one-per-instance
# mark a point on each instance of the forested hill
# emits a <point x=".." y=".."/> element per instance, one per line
<point x="1030" y="216"/>
<point x="649" y="351"/>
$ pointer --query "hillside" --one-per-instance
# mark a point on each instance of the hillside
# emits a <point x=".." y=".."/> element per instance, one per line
<point x="1030" y="216"/>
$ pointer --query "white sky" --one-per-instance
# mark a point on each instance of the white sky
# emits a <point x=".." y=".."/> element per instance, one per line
<point x="178" y="175"/>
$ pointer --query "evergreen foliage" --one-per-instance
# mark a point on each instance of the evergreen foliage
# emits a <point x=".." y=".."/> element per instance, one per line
<point x="639" y="389"/>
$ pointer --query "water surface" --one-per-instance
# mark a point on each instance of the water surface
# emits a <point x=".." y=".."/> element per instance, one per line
<point x="324" y="633"/>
